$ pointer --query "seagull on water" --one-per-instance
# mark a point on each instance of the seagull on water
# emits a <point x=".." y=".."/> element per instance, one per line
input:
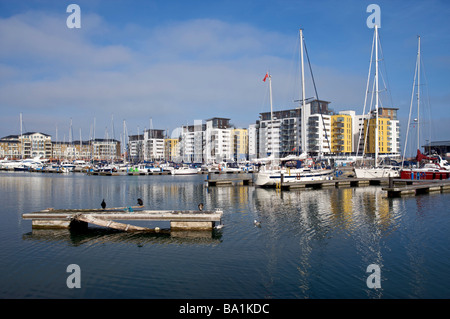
<point x="103" y="204"/>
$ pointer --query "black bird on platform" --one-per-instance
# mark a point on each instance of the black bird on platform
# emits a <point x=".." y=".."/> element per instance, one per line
<point x="103" y="204"/>
<point x="200" y="206"/>
<point x="140" y="202"/>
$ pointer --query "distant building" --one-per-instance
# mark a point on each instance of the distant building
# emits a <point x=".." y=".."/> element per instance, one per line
<point x="171" y="151"/>
<point x="153" y="145"/>
<point x="282" y="134"/>
<point x="27" y="145"/>
<point x="136" y="148"/>
<point x="105" y="149"/>
<point x="218" y="140"/>
<point x="240" y="144"/>
<point x="440" y="147"/>
<point x="10" y="147"/>
<point x="342" y="134"/>
<point x="192" y="142"/>
<point x="71" y="150"/>
<point x="388" y="133"/>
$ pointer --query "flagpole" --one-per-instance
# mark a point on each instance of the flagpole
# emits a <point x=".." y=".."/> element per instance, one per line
<point x="270" y="97"/>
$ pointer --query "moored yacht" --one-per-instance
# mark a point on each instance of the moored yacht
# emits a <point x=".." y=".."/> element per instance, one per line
<point x="185" y="170"/>
<point x="429" y="168"/>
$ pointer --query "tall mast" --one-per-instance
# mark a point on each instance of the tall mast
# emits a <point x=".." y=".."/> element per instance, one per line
<point x="303" y="115"/>
<point x="21" y="139"/>
<point x="418" y="92"/>
<point x="376" y="96"/>
<point x="270" y="97"/>
<point x="80" y="144"/>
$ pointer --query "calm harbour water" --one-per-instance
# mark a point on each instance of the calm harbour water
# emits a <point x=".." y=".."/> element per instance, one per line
<point x="311" y="243"/>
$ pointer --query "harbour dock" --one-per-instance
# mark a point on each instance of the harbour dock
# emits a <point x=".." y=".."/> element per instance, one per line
<point x="414" y="187"/>
<point x="229" y="181"/>
<point x="73" y="218"/>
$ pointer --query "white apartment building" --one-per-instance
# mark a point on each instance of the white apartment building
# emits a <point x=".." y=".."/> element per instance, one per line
<point x="192" y="142"/>
<point x="209" y="142"/>
<point x="153" y="145"/>
<point x="252" y="141"/>
<point x="135" y="147"/>
<point x="319" y="134"/>
<point x="282" y="135"/>
<point x="218" y="140"/>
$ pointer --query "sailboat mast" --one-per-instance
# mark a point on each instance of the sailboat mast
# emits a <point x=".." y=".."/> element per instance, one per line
<point x="418" y="92"/>
<point x="303" y="115"/>
<point x="22" y="151"/>
<point x="376" y="96"/>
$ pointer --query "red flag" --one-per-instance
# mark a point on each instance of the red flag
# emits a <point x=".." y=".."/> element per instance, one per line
<point x="267" y="75"/>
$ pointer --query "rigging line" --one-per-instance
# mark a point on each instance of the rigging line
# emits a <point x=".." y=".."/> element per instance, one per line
<point x="410" y="111"/>
<point x="294" y="74"/>
<point x="385" y="72"/>
<point x="428" y="105"/>
<point x="317" y="95"/>
<point x="368" y="121"/>
<point x="365" y="95"/>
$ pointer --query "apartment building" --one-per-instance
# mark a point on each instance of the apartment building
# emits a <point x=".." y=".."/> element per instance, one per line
<point x="192" y="141"/>
<point x="136" y="148"/>
<point x="388" y="133"/>
<point x="240" y="144"/>
<point x="218" y="140"/>
<point x="171" y="149"/>
<point x="27" y="145"/>
<point x="10" y="147"/>
<point x="341" y="133"/>
<point x="280" y="132"/>
<point x="154" y="145"/>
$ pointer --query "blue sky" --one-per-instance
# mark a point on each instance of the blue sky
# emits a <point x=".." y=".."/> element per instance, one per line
<point x="178" y="61"/>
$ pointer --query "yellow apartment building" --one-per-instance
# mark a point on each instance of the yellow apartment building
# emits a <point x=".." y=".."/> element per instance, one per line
<point x="171" y="148"/>
<point x="384" y="132"/>
<point x="240" y="143"/>
<point x="341" y="133"/>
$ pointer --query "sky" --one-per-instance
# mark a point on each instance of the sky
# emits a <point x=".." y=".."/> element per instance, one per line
<point x="163" y="64"/>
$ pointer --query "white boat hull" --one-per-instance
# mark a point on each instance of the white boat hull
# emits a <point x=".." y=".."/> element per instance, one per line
<point x="271" y="178"/>
<point x="189" y="171"/>
<point x="377" y="172"/>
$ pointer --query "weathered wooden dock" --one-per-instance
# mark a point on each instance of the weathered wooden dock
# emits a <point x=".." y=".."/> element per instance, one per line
<point x="416" y="187"/>
<point x="179" y="220"/>
<point x="344" y="182"/>
<point x="229" y="181"/>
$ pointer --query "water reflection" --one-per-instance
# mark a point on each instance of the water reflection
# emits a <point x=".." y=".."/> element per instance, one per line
<point x="311" y="243"/>
<point x="322" y="222"/>
<point x="96" y="236"/>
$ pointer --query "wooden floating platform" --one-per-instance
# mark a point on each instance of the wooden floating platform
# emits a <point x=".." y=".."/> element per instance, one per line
<point x="229" y="181"/>
<point x="417" y="188"/>
<point x="344" y="182"/>
<point x="68" y="218"/>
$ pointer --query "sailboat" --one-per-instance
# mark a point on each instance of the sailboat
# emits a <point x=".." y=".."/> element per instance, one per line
<point x="377" y="171"/>
<point x="430" y="167"/>
<point x="291" y="169"/>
